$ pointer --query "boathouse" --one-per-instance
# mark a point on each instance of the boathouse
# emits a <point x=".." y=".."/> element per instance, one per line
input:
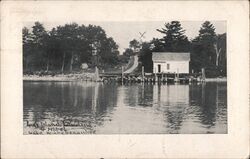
<point x="171" y="62"/>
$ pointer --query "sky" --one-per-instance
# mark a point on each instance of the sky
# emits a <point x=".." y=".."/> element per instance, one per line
<point x="123" y="32"/>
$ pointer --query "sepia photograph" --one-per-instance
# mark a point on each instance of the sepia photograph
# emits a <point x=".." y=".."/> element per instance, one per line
<point x="125" y="77"/>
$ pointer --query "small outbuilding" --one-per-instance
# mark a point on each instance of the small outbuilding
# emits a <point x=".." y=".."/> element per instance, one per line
<point x="171" y="62"/>
<point x="84" y="66"/>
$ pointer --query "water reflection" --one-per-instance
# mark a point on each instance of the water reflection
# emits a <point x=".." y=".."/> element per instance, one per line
<point x="134" y="108"/>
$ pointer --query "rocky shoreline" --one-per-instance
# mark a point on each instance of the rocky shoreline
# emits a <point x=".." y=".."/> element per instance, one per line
<point x="61" y="77"/>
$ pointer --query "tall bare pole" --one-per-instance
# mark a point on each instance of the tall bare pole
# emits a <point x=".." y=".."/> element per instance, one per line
<point x="142" y="73"/>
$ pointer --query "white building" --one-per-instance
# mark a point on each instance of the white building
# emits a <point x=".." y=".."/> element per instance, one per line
<point x="170" y="62"/>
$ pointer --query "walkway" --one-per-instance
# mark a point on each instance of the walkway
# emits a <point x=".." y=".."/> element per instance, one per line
<point x="134" y="66"/>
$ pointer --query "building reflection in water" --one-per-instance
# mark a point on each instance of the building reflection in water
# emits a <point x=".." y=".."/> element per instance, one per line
<point x="172" y="101"/>
<point x="132" y="108"/>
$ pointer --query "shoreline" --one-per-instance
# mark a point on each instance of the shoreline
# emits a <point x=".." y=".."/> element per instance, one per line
<point x="224" y="79"/>
<point x="84" y="77"/>
<point x="60" y="77"/>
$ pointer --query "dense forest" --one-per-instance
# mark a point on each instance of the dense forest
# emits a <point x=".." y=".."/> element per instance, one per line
<point x="65" y="48"/>
<point x="208" y="50"/>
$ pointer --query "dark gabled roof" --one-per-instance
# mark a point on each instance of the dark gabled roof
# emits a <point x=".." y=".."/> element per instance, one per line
<point x="171" y="56"/>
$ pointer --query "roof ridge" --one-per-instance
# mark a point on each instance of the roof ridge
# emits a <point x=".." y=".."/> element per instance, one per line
<point x="171" y="56"/>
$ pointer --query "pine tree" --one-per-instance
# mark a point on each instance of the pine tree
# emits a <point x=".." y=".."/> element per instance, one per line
<point x="27" y="48"/>
<point x="205" y="52"/>
<point x="40" y="36"/>
<point x="174" y="39"/>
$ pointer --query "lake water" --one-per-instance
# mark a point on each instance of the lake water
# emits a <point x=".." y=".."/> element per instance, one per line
<point x="97" y="108"/>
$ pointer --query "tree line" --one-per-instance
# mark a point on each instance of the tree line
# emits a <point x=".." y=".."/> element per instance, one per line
<point x="208" y="49"/>
<point x="65" y="48"/>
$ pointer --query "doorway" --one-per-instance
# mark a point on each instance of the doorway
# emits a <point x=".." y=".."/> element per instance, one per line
<point x="159" y="68"/>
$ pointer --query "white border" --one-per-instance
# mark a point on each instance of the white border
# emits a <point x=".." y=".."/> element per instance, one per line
<point x="235" y="144"/>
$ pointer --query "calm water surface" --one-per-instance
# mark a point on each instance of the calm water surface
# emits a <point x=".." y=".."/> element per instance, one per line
<point x="83" y="107"/>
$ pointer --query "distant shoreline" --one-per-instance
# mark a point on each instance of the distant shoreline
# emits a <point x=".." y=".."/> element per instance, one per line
<point x="224" y="79"/>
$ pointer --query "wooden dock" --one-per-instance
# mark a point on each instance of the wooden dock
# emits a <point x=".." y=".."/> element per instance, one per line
<point x="143" y="77"/>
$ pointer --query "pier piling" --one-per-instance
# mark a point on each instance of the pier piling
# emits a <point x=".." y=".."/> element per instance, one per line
<point x="203" y="76"/>
<point x="142" y="73"/>
<point x="97" y="77"/>
<point x="122" y="75"/>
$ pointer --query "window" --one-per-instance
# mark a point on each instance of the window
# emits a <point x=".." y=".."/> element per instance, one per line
<point x="168" y="66"/>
